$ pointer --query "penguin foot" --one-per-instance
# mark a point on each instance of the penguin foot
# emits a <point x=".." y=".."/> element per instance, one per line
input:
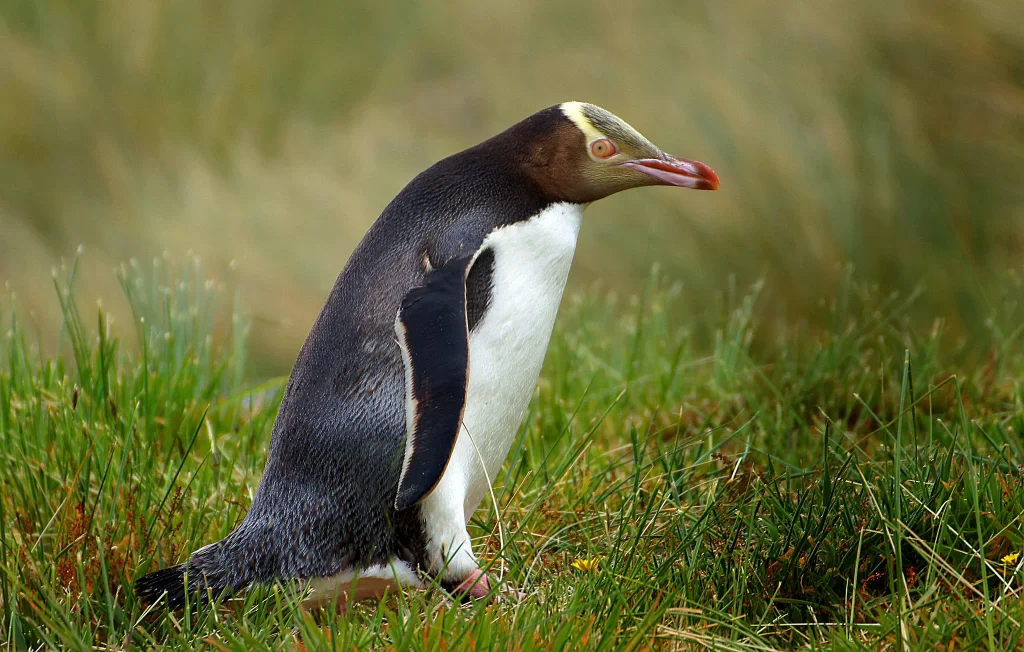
<point x="478" y="586"/>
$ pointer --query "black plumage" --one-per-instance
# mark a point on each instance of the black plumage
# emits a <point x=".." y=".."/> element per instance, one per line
<point x="326" y="501"/>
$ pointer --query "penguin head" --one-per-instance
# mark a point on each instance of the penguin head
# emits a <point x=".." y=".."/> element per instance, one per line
<point x="580" y="152"/>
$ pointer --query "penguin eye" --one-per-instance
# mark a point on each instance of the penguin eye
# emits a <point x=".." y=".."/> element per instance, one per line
<point x="603" y="148"/>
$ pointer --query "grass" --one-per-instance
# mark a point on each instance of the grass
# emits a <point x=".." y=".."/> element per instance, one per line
<point x="676" y="484"/>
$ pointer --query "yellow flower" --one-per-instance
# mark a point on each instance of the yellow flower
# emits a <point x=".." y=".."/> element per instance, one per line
<point x="1011" y="558"/>
<point x="586" y="565"/>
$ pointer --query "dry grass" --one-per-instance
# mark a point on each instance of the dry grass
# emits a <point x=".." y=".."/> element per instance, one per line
<point x="887" y="135"/>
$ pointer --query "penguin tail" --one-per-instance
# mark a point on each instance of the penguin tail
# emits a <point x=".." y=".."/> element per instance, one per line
<point x="196" y="581"/>
<point x="166" y="582"/>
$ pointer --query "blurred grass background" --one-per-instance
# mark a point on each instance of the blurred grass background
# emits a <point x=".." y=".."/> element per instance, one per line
<point x="884" y="134"/>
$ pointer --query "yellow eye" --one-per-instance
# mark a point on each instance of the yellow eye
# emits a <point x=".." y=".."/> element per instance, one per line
<point x="603" y="148"/>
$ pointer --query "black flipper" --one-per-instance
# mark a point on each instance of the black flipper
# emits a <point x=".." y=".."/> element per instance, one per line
<point x="434" y="337"/>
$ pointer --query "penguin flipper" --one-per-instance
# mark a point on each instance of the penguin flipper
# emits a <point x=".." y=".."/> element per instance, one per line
<point x="433" y="334"/>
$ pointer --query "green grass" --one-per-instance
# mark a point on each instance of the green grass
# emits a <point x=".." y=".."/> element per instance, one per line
<point x="851" y="487"/>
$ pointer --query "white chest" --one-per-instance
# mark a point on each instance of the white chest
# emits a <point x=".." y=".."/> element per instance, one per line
<point x="506" y="349"/>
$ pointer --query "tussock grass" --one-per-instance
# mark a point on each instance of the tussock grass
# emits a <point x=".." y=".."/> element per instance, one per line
<point x="887" y="135"/>
<point x="854" y="487"/>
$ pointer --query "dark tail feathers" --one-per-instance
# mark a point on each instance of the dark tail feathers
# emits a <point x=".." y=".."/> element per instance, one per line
<point x="169" y="581"/>
<point x="170" y="584"/>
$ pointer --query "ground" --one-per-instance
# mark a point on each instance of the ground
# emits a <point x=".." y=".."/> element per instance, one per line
<point x="681" y="480"/>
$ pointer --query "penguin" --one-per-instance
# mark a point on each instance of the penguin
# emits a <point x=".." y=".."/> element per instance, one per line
<point x="415" y="378"/>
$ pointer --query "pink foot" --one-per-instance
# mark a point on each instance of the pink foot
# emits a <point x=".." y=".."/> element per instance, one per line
<point x="477" y="586"/>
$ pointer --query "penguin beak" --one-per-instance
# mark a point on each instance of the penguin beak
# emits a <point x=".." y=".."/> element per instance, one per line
<point x="672" y="171"/>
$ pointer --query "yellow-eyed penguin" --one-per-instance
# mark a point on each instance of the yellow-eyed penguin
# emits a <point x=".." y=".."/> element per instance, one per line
<point x="415" y="378"/>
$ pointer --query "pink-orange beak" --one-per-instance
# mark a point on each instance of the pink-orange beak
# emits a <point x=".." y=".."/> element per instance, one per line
<point x="672" y="171"/>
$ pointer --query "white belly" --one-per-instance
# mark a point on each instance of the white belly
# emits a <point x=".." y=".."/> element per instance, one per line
<point x="506" y="351"/>
<point x="507" y="347"/>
